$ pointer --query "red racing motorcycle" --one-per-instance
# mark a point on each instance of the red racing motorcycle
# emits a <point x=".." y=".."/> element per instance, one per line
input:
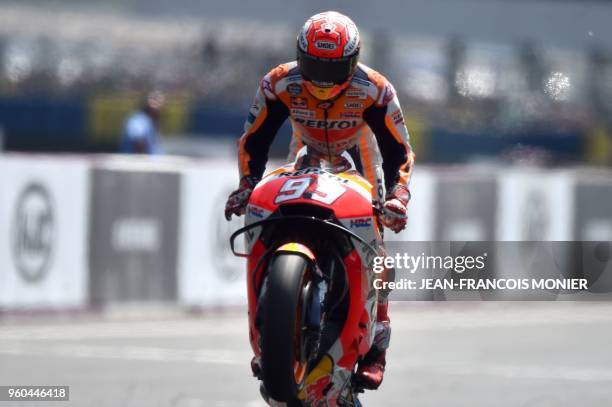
<point x="310" y="235"/>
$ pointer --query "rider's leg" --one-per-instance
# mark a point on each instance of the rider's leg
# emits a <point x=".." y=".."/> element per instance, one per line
<point x="372" y="367"/>
<point x="294" y="146"/>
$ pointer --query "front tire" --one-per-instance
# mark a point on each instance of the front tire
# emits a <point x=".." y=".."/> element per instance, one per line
<point x="283" y="359"/>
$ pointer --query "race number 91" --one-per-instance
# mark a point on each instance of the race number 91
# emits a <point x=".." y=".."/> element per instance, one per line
<point x="323" y="190"/>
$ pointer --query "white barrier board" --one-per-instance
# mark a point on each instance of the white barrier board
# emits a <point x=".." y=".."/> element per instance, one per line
<point x="535" y="206"/>
<point x="43" y="232"/>
<point x="421" y="209"/>
<point x="208" y="273"/>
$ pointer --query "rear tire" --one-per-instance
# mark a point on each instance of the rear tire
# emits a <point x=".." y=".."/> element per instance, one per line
<point x="282" y="360"/>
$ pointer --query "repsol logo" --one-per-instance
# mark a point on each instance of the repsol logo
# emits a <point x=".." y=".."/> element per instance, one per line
<point x="329" y="124"/>
<point x="313" y="171"/>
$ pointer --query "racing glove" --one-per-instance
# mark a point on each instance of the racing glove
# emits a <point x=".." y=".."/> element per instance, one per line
<point x="238" y="200"/>
<point x="394" y="214"/>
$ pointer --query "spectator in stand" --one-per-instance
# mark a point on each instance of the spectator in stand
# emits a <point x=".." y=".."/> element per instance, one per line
<point x="140" y="132"/>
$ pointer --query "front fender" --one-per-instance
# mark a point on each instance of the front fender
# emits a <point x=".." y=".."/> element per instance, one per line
<point x="298" y="248"/>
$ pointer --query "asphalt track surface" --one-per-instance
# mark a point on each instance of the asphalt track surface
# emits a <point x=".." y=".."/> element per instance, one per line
<point x="442" y="354"/>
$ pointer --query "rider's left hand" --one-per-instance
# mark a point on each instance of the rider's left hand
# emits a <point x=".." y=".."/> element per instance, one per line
<point x="395" y="208"/>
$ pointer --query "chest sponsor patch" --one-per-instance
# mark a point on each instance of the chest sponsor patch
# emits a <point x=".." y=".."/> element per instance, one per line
<point x="350" y="115"/>
<point x="329" y="124"/>
<point x="355" y="93"/>
<point x="294" y="89"/>
<point x="303" y="113"/>
<point x="353" y="105"/>
<point x="299" y="102"/>
<point x="325" y="105"/>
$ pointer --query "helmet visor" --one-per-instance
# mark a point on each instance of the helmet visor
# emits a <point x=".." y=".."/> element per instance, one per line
<point x="326" y="70"/>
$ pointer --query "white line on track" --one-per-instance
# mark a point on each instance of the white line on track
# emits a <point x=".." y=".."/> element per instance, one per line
<point x="136" y="329"/>
<point x="229" y="357"/>
<point x="129" y="353"/>
<point x="534" y="372"/>
<point x="438" y="317"/>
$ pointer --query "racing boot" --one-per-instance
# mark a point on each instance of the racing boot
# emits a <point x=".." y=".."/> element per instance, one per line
<point x="371" y="368"/>
<point x="256" y="366"/>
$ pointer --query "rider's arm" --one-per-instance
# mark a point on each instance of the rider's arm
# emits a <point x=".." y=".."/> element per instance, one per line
<point x="386" y="120"/>
<point x="266" y="116"/>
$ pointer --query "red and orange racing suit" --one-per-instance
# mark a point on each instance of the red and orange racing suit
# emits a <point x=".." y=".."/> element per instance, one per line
<point x="366" y="120"/>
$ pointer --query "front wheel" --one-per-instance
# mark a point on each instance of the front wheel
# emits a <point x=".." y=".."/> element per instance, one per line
<point x="283" y="350"/>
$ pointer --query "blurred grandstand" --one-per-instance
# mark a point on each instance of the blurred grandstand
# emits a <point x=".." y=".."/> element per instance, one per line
<point x="70" y="71"/>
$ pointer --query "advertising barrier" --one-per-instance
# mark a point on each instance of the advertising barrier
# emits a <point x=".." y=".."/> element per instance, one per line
<point x="209" y="274"/>
<point x="133" y="232"/>
<point x="465" y="206"/>
<point x="421" y="214"/>
<point x="535" y="205"/>
<point x="43" y="232"/>
<point x="80" y="231"/>
<point x="593" y="227"/>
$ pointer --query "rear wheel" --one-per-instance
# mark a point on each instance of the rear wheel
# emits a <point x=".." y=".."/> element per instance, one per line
<point x="284" y="359"/>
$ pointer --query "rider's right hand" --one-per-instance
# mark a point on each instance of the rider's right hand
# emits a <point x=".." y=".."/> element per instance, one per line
<point x="237" y="201"/>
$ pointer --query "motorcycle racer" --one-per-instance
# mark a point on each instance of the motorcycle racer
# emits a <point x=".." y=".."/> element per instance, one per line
<point x="335" y="104"/>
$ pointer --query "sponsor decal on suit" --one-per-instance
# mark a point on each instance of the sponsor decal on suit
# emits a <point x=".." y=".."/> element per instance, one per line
<point x="353" y="105"/>
<point x="355" y="93"/>
<point x="266" y="87"/>
<point x="294" y="89"/>
<point x="389" y="94"/>
<point x="329" y="124"/>
<point x="299" y="102"/>
<point x="325" y="105"/>
<point x="397" y="117"/>
<point x="351" y="115"/>
<point x="303" y="113"/>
